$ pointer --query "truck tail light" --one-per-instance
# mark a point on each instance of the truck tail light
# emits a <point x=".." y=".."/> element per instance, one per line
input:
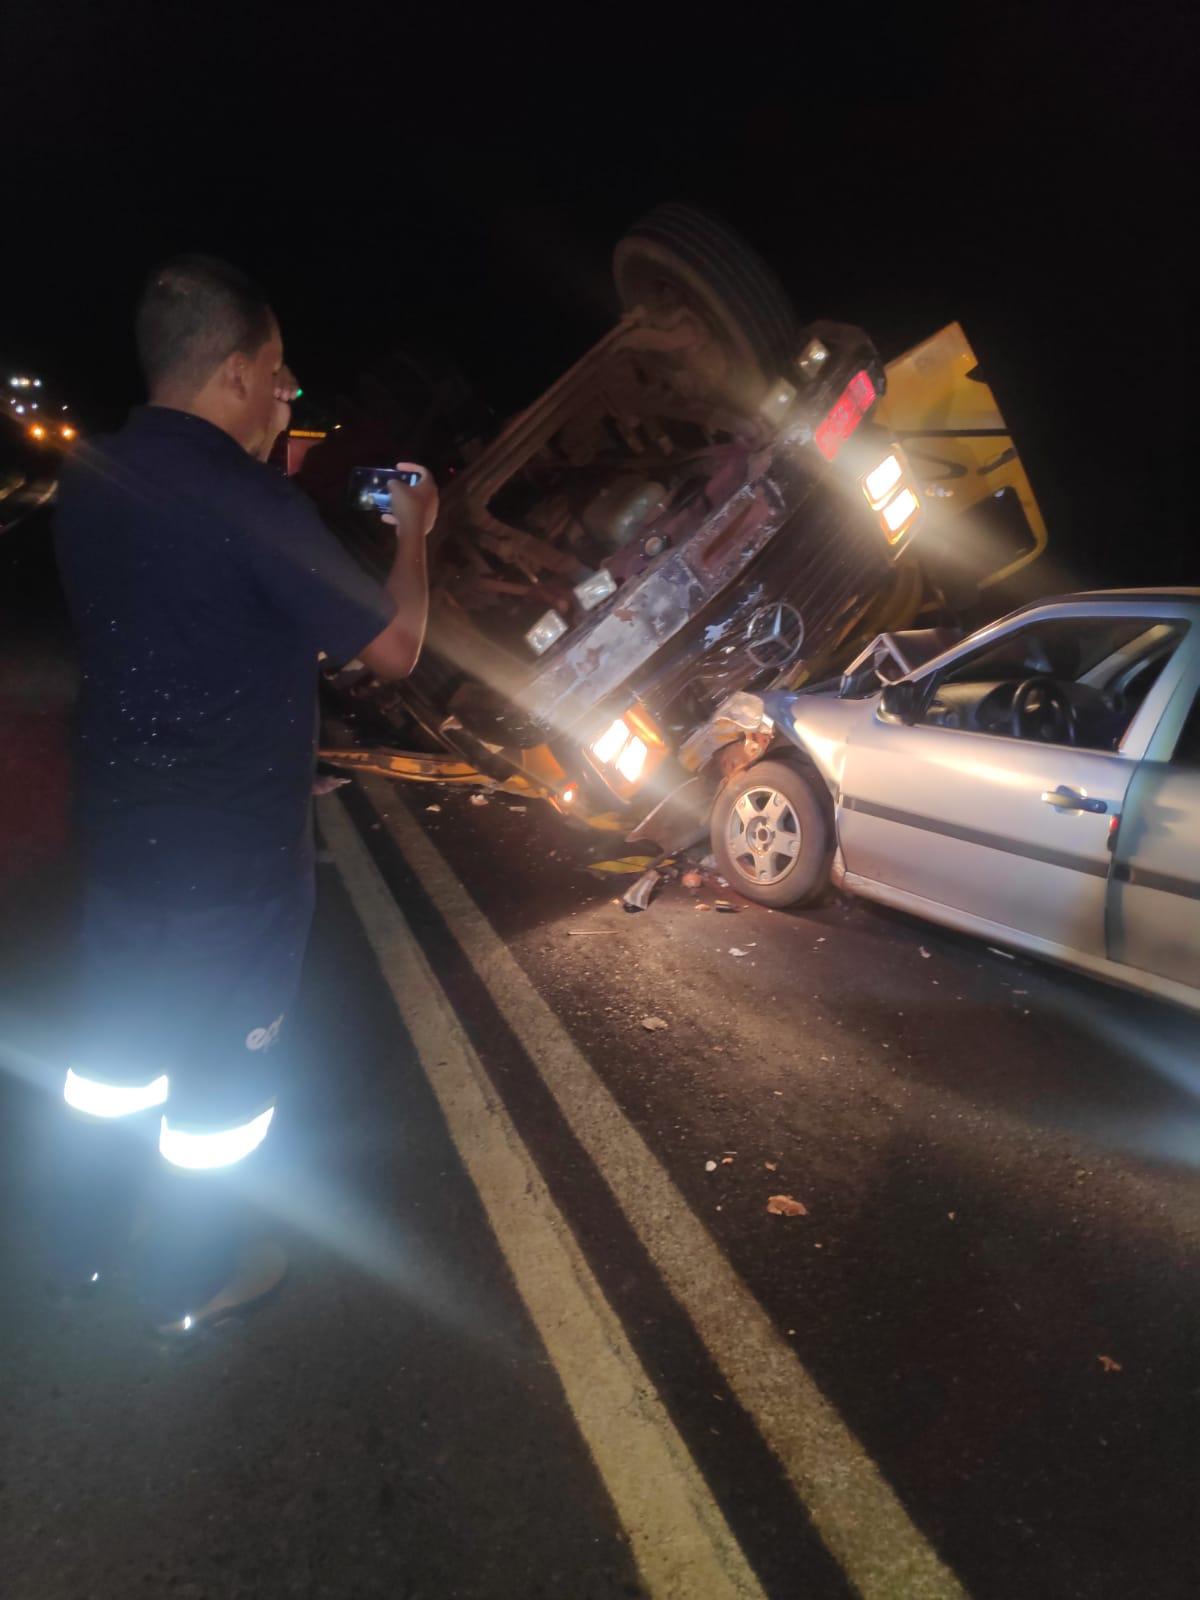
<point x="852" y="405"/>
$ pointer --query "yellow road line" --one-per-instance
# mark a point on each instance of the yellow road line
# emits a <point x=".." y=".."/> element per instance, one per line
<point x="862" y="1522"/>
<point x="680" y="1540"/>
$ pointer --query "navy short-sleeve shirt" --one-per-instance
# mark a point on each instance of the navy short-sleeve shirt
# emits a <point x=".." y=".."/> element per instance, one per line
<point x="203" y="585"/>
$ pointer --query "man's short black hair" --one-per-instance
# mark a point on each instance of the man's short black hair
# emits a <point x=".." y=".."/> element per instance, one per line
<point x="194" y="312"/>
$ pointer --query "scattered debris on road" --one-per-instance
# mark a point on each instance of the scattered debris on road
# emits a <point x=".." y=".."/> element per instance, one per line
<point x="1006" y="955"/>
<point x="692" y="880"/>
<point x="725" y="905"/>
<point x="1109" y="1364"/>
<point x="734" y="951"/>
<point x="479" y="799"/>
<point x="326" y="783"/>
<point x="925" y="956"/>
<point x="637" y="896"/>
<point x="710" y="1166"/>
<point x="623" y="866"/>
<point x="433" y="808"/>
<point x="782" y="1205"/>
<point x="653" y="1024"/>
<point x="771" y="1166"/>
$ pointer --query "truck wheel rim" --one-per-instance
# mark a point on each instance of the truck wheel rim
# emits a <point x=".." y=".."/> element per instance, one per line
<point x="763" y="836"/>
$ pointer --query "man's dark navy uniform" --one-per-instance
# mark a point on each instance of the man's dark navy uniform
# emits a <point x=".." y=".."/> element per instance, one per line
<point x="204" y="587"/>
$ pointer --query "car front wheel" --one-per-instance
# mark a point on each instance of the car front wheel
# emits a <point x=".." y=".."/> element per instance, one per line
<point x="772" y="834"/>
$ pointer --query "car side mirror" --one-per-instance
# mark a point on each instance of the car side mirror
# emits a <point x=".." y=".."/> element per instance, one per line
<point x="900" y="702"/>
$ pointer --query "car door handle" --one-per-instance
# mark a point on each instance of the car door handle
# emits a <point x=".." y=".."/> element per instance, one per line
<point x="1064" y="799"/>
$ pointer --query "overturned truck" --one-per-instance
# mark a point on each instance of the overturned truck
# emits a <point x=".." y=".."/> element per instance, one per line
<point x="712" y="501"/>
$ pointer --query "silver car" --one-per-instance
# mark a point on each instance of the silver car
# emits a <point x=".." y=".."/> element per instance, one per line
<point x="1036" y="784"/>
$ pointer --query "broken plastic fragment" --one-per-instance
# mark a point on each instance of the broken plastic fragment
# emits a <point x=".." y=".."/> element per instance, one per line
<point x="479" y="800"/>
<point x="623" y="864"/>
<point x="782" y="1205"/>
<point x="637" y="896"/>
<point x="710" y="1166"/>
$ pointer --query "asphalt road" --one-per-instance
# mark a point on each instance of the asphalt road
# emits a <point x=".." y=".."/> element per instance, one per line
<point x="541" y="1334"/>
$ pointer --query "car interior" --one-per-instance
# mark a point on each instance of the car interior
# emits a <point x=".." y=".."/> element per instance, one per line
<point x="1067" y="680"/>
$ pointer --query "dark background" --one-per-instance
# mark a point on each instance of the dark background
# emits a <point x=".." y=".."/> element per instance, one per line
<point x="454" y="180"/>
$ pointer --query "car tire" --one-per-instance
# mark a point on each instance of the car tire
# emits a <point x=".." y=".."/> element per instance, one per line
<point x="678" y="255"/>
<point x="795" y="874"/>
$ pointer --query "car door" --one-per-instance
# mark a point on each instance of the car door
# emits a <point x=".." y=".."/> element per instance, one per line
<point x="1011" y="830"/>
<point x="1154" y="898"/>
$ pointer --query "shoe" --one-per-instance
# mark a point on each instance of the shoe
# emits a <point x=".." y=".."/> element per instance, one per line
<point x="262" y="1267"/>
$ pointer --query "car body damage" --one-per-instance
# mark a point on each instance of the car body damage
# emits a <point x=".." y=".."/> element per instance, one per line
<point x="711" y="503"/>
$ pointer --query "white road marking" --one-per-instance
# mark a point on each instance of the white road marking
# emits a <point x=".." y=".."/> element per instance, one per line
<point x="678" y="1536"/>
<point x="862" y="1522"/>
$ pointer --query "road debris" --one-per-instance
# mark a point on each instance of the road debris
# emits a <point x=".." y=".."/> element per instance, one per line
<point x="1109" y="1364"/>
<point x="702" y="905"/>
<point x="622" y="866"/>
<point x="1007" y="955"/>
<point x="725" y="905"/>
<point x="734" y="951"/>
<point x="479" y="799"/>
<point x="771" y="1166"/>
<point x="782" y="1205"/>
<point x="433" y="808"/>
<point x="692" y="880"/>
<point x="710" y="1166"/>
<point x="637" y="896"/>
<point x="726" y="1161"/>
<point x="925" y="956"/>
<point x="654" y="1024"/>
<point x="326" y="783"/>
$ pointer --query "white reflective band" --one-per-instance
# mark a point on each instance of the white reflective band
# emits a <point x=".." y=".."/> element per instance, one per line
<point x="220" y="1149"/>
<point x="100" y="1099"/>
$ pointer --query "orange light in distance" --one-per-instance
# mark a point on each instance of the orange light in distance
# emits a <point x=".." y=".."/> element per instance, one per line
<point x="68" y="433"/>
<point x="37" y="431"/>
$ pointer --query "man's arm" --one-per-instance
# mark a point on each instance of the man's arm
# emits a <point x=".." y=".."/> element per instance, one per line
<point x="394" y="652"/>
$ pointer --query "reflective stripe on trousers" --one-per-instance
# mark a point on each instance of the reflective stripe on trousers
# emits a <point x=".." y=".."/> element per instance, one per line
<point x="96" y="1098"/>
<point x="218" y="1147"/>
<point x="200" y="1150"/>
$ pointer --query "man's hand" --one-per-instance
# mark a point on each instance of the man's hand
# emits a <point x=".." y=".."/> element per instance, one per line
<point x="414" y="508"/>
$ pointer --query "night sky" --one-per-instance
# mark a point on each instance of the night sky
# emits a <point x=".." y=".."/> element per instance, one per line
<point x="455" y="179"/>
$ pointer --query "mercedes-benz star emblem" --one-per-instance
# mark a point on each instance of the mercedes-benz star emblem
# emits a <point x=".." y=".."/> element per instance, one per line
<point x="775" y="636"/>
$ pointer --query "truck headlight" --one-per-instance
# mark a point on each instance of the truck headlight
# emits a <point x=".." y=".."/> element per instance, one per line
<point x="881" y="480"/>
<point x="548" y="627"/>
<point x="625" y="747"/>
<point x="889" y="490"/>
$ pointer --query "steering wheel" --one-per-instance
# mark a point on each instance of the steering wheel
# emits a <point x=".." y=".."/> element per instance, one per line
<point x="1032" y="700"/>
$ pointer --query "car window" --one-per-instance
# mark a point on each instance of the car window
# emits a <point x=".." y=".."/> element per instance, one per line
<point x="1067" y="680"/>
<point x="1187" y="746"/>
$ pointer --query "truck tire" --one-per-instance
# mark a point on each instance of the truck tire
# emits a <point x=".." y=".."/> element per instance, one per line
<point x="772" y="834"/>
<point x="680" y="256"/>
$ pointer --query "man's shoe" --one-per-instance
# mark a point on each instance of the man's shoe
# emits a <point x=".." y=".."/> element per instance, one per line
<point x="261" y="1268"/>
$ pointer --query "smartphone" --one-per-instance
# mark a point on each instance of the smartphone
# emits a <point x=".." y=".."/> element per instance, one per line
<point x="369" y="486"/>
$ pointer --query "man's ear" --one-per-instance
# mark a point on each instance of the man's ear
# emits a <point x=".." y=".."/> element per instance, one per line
<point x="235" y="370"/>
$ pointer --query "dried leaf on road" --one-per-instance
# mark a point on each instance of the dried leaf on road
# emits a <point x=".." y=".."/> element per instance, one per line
<point x="653" y="1024"/>
<point x="782" y="1205"/>
<point x="1109" y="1364"/>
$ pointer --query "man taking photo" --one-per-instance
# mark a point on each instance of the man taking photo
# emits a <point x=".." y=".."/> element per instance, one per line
<point x="203" y="586"/>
